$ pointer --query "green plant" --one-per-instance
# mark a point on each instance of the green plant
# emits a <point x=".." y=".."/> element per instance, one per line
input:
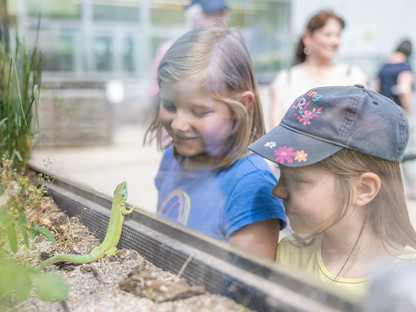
<point x="24" y="203"/>
<point x="19" y="92"/>
<point x="17" y="279"/>
<point x="20" y="215"/>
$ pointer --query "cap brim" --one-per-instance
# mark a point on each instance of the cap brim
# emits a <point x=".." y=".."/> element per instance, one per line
<point x="292" y="148"/>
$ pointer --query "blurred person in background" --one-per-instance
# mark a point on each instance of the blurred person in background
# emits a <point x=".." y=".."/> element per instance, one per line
<point x="314" y="64"/>
<point x="395" y="78"/>
<point x="199" y="13"/>
<point x="396" y="81"/>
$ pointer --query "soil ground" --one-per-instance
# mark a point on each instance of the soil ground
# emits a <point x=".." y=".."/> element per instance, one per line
<point x="126" y="282"/>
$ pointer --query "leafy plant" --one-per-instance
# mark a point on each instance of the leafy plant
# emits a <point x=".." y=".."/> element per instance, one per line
<point x="23" y="203"/>
<point x="19" y="217"/>
<point x="17" y="280"/>
<point x="19" y="92"/>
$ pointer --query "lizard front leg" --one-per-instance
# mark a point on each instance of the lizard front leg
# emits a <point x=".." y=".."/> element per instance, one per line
<point x="124" y="211"/>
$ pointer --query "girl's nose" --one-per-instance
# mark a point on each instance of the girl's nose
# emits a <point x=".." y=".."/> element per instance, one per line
<point x="179" y="122"/>
<point x="280" y="190"/>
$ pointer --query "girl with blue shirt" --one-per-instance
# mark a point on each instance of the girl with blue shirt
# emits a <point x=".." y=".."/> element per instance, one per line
<point x="209" y="113"/>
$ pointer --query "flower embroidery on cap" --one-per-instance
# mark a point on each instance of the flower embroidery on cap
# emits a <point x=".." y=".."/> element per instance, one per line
<point x="270" y="144"/>
<point x="304" y="115"/>
<point x="301" y="156"/>
<point x="283" y="154"/>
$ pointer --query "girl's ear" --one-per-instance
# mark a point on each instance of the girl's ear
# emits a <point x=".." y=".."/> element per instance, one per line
<point x="247" y="99"/>
<point x="367" y="187"/>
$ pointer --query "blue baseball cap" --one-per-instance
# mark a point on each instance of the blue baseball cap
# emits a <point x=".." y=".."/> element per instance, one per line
<point x="325" y="120"/>
<point x="209" y="6"/>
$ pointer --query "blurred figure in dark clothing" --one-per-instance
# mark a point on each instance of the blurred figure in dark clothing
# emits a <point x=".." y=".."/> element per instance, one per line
<point x="396" y="77"/>
<point x="395" y="80"/>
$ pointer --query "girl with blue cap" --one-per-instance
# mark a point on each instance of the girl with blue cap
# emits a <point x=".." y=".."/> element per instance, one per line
<point x="338" y="150"/>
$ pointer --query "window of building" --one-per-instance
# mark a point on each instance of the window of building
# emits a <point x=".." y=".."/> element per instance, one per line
<point x="103" y="53"/>
<point x="57" y="9"/>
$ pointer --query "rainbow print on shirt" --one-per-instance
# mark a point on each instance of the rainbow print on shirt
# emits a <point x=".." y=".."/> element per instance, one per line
<point x="177" y="202"/>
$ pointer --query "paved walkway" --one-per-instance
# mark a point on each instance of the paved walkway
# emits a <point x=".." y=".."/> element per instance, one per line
<point x="102" y="168"/>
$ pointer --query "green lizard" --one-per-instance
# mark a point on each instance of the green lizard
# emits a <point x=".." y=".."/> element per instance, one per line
<point x="108" y="246"/>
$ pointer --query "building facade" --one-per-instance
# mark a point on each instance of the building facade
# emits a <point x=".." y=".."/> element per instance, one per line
<point x="102" y="39"/>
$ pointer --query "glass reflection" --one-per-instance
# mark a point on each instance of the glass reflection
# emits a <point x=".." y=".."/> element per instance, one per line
<point x="269" y="46"/>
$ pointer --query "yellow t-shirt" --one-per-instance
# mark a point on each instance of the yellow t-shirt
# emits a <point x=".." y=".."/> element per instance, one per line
<point x="309" y="259"/>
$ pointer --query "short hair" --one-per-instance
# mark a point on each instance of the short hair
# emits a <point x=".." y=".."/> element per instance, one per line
<point x="405" y="47"/>
<point x="218" y="59"/>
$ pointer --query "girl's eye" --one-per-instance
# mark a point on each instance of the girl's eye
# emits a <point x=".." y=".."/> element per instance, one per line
<point x="169" y="106"/>
<point x="201" y="113"/>
<point x="291" y="179"/>
<point x="298" y="180"/>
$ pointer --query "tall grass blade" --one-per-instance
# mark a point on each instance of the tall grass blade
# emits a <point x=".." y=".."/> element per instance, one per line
<point x="19" y="102"/>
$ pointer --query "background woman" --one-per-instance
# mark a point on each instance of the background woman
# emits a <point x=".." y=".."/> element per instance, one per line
<point x="314" y="64"/>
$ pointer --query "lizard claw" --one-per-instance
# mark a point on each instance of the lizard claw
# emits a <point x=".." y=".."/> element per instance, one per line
<point x="128" y="211"/>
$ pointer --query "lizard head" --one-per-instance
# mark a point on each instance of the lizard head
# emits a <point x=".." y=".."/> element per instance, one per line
<point x="121" y="190"/>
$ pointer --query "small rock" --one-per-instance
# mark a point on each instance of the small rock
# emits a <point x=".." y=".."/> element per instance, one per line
<point x="144" y="284"/>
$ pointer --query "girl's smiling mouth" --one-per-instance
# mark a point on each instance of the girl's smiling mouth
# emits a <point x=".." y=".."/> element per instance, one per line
<point x="183" y="139"/>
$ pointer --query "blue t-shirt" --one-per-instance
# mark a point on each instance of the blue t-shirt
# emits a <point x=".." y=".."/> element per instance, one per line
<point x="388" y="79"/>
<point x="218" y="202"/>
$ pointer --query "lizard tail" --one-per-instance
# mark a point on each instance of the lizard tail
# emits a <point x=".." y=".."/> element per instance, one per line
<point x="61" y="258"/>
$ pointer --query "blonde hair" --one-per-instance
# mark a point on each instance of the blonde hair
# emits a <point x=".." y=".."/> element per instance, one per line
<point x="387" y="213"/>
<point x="218" y="60"/>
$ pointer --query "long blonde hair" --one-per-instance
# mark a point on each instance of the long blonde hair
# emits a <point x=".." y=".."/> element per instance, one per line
<point x="218" y="59"/>
<point x="387" y="213"/>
